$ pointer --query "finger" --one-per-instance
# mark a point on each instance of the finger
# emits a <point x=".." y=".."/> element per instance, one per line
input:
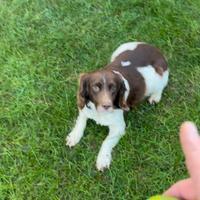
<point x="183" y="189"/>
<point x="190" y="141"/>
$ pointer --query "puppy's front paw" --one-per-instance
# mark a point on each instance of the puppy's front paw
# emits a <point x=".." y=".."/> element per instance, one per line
<point x="72" y="139"/>
<point x="103" y="161"/>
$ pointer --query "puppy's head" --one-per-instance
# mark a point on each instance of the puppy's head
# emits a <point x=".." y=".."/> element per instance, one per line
<point x="103" y="88"/>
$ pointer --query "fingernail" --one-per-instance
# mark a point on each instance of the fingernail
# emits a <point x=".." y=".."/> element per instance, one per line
<point x="190" y="129"/>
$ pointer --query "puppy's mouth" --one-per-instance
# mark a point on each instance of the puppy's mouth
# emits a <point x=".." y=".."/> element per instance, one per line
<point x="105" y="108"/>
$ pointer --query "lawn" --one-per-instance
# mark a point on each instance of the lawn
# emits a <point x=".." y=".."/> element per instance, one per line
<point x="44" y="46"/>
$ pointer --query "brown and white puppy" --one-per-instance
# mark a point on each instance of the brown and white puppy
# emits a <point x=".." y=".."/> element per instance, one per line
<point x="137" y="70"/>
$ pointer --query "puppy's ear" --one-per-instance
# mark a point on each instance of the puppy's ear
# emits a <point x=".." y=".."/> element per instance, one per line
<point x="83" y="92"/>
<point x="121" y="95"/>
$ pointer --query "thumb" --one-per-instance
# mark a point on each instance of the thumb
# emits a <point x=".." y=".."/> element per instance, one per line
<point x="182" y="189"/>
<point x="190" y="142"/>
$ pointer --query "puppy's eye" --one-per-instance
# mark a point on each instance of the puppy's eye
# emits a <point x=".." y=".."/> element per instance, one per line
<point x="96" y="88"/>
<point x="112" y="88"/>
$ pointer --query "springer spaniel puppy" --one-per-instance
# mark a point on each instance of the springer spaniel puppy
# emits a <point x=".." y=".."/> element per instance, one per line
<point x="137" y="70"/>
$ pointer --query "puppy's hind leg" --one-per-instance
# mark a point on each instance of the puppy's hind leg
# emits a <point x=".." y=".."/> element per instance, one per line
<point x="76" y="134"/>
<point x="156" y="95"/>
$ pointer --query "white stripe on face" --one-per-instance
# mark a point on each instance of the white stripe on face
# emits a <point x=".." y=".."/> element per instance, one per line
<point x="104" y="79"/>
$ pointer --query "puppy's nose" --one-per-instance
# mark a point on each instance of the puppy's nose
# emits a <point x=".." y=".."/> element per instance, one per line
<point x="106" y="106"/>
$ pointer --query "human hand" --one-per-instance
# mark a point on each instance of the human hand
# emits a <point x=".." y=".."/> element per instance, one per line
<point x="188" y="189"/>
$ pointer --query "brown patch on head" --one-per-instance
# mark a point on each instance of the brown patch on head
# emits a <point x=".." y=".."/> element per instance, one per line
<point x="120" y="100"/>
<point x="104" y="88"/>
<point x="83" y="92"/>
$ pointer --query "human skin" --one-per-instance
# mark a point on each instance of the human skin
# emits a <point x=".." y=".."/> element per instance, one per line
<point x="188" y="189"/>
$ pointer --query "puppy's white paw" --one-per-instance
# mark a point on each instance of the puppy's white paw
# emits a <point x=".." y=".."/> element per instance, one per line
<point x="151" y="101"/>
<point x="72" y="139"/>
<point x="103" y="161"/>
<point x="155" y="98"/>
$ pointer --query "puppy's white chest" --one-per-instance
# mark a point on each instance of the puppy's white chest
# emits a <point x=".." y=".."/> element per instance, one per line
<point x="103" y="118"/>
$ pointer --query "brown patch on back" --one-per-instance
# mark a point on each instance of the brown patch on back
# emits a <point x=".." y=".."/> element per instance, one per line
<point x="142" y="56"/>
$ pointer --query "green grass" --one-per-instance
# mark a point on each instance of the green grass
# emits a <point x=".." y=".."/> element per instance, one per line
<point x="44" y="45"/>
